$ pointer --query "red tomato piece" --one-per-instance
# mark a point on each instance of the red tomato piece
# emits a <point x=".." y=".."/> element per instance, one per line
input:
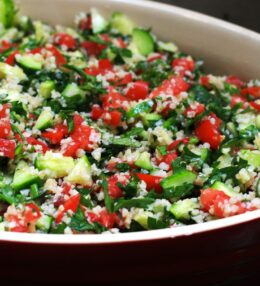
<point x="154" y="57"/>
<point x="104" y="218"/>
<point x="113" y="118"/>
<point x="5" y="128"/>
<point x="207" y="131"/>
<point x="255" y="105"/>
<point x="17" y="224"/>
<point x="113" y="189"/>
<point x="92" y="48"/>
<point x="253" y="91"/>
<point x="176" y="143"/>
<point x="33" y="141"/>
<point x="4" y="110"/>
<point x="104" y="65"/>
<point x="96" y="112"/>
<point x="114" y="100"/>
<point x="70" y="204"/>
<point x="64" y="39"/>
<point x="152" y="182"/>
<point x="234" y="80"/>
<point x="183" y="65"/>
<point x="168" y="159"/>
<point x="173" y="86"/>
<point x="77" y="120"/>
<point x="31" y="213"/>
<point x="70" y="149"/>
<point x="117" y="81"/>
<point x="86" y="24"/>
<point x="56" y="134"/>
<point x="10" y="60"/>
<point x="208" y="198"/>
<point x="7" y="148"/>
<point x="138" y="90"/>
<point x="194" y="110"/>
<point x="60" y="59"/>
<point x="204" y="81"/>
<point x="238" y="99"/>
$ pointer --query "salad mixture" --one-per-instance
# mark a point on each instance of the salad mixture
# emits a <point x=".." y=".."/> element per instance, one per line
<point x="105" y="128"/>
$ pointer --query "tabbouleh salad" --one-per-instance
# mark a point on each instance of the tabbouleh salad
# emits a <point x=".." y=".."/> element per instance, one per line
<point x="105" y="128"/>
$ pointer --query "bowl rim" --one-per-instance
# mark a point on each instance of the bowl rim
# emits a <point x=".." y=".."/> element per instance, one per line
<point x="131" y="237"/>
<point x="169" y="233"/>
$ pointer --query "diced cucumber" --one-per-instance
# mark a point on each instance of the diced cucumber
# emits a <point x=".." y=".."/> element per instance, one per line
<point x="25" y="23"/>
<point x="252" y="157"/>
<point x="224" y="161"/>
<point x="178" y="179"/>
<point x="144" y="41"/>
<point x="81" y="173"/>
<point x="150" y="118"/>
<point x="99" y="23"/>
<point x="46" y="88"/>
<point x="73" y="94"/>
<point x="30" y="62"/>
<point x="7" y="71"/>
<point x="223" y="187"/>
<point x="24" y="177"/>
<point x="182" y="209"/>
<point x="167" y="47"/>
<point x="202" y="152"/>
<point x="122" y="23"/>
<point x="45" y="120"/>
<point x="142" y="219"/>
<point x="44" y="223"/>
<point x="7" y="12"/>
<point x="144" y="161"/>
<point x="57" y="165"/>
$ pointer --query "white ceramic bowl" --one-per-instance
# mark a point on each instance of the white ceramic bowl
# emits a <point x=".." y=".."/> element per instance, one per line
<point x="226" y="49"/>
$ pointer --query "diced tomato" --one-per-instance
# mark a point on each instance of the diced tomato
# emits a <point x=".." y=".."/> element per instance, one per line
<point x="56" y="134"/>
<point x="118" y="81"/>
<point x="215" y="202"/>
<point x="154" y="57"/>
<point x="4" y="110"/>
<point x="86" y="24"/>
<point x="10" y="60"/>
<point x="5" y="45"/>
<point x="208" y="198"/>
<point x="5" y="128"/>
<point x="204" y="80"/>
<point x="176" y="143"/>
<point x="70" y="204"/>
<point x="77" y="120"/>
<point x="104" y="65"/>
<point x="32" y="213"/>
<point x="96" y="112"/>
<point x="92" y="48"/>
<point x="182" y="65"/>
<point x="17" y="224"/>
<point x="113" y="118"/>
<point x="138" y="90"/>
<point x="106" y="219"/>
<point x="168" y="159"/>
<point x="64" y="39"/>
<point x="236" y="99"/>
<point x="234" y="80"/>
<point x="208" y="131"/>
<point x="114" y="100"/>
<point x="60" y="59"/>
<point x="194" y="110"/>
<point x="255" y="105"/>
<point x="66" y="188"/>
<point x="253" y="91"/>
<point x="7" y="148"/>
<point x="152" y="182"/>
<point x="113" y="189"/>
<point x="173" y="86"/>
<point x="33" y="141"/>
<point x="70" y="149"/>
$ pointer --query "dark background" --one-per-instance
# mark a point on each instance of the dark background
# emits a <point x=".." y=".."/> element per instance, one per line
<point x="243" y="12"/>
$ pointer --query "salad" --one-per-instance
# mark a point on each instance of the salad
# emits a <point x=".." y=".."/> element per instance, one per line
<point x="105" y="128"/>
